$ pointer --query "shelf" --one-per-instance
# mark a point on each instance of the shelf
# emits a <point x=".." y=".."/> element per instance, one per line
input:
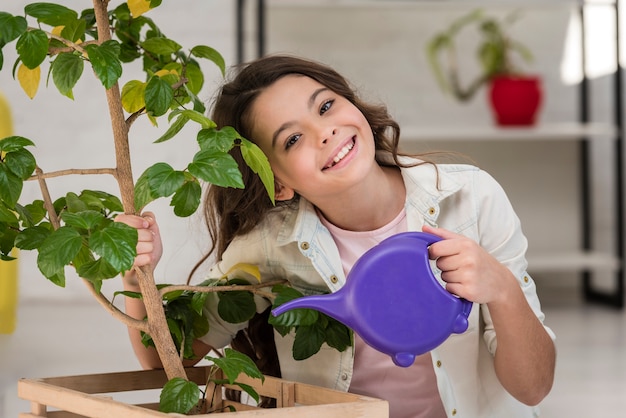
<point x="450" y="4"/>
<point x="542" y="132"/>
<point x="575" y="261"/>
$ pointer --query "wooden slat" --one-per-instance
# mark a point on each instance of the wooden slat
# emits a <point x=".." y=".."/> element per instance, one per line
<point x="123" y="381"/>
<point x="287" y="396"/>
<point x="78" y="402"/>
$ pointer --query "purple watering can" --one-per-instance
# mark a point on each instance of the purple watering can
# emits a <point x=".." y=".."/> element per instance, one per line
<point x="393" y="300"/>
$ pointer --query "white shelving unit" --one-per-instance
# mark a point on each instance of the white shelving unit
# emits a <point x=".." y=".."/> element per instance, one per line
<point x="557" y="261"/>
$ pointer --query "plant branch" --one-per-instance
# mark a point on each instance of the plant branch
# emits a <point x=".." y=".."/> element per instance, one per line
<point x="254" y="288"/>
<point x="47" y="200"/>
<point x="79" y="171"/>
<point x="157" y="323"/>
<point x="113" y="310"/>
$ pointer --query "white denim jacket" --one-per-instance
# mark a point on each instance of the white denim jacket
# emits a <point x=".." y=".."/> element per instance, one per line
<point x="294" y="245"/>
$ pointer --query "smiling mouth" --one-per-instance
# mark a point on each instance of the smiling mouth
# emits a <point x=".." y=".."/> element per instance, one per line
<point x="341" y="154"/>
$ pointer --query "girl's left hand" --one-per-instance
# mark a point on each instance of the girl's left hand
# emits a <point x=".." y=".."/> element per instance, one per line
<point x="468" y="270"/>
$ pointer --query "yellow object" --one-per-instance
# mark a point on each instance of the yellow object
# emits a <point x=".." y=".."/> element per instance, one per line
<point x="8" y="269"/>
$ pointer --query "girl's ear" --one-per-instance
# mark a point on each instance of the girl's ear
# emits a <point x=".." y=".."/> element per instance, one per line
<point x="282" y="192"/>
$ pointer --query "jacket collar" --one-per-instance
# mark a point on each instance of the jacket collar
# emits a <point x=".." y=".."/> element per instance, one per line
<point x="426" y="186"/>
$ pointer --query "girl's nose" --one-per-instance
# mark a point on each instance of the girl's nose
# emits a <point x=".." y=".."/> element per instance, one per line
<point x="326" y="137"/>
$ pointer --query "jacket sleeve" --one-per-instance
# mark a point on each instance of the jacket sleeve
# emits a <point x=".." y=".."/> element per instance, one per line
<point x="500" y="233"/>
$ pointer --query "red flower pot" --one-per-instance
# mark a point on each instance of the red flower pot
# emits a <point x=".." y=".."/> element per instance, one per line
<point x="515" y="100"/>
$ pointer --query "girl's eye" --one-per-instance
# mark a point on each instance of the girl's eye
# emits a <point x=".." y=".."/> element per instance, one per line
<point x="326" y="106"/>
<point x="291" y="140"/>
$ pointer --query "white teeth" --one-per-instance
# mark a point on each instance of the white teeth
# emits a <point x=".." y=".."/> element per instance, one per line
<point x="343" y="152"/>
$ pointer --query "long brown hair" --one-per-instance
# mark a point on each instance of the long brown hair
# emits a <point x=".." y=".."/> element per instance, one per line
<point x="232" y="212"/>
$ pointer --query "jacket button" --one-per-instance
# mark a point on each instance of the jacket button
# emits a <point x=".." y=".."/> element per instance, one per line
<point x="431" y="211"/>
<point x="333" y="279"/>
<point x="304" y="245"/>
<point x="526" y="279"/>
<point x="344" y="376"/>
<point x="453" y="412"/>
<point x="438" y="363"/>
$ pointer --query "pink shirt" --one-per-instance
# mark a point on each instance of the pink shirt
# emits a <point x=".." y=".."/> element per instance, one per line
<point x="412" y="391"/>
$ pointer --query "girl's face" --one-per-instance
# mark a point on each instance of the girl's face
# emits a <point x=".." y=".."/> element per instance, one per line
<point x="318" y="143"/>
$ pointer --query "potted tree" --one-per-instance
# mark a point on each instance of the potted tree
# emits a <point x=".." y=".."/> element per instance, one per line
<point x="77" y="229"/>
<point x="514" y="95"/>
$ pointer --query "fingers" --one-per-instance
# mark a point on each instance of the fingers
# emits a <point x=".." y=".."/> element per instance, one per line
<point x="148" y="239"/>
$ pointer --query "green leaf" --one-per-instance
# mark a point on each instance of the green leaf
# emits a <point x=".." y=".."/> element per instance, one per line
<point x="308" y="341"/>
<point x="179" y="396"/>
<point x="174" y="128"/>
<point x="234" y="363"/>
<point x="197" y="301"/>
<point x="32" y="238"/>
<point x="87" y="219"/>
<point x="105" y="61"/>
<point x="97" y="270"/>
<point x="11" y="27"/>
<point x="195" y="78"/>
<point x="203" y="51"/>
<point x="14" y="143"/>
<point x="74" y="203"/>
<point x="143" y="194"/>
<point x="217" y="140"/>
<point x="7" y="216"/>
<point x="187" y="199"/>
<point x="31" y="214"/>
<point x="74" y="30"/>
<point x="216" y="168"/>
<point x="67" y="69"/>
<point x="21" y="163"/>
<point x="338" y="336"/>
<point x="51" y="14"/>
<point x="57" y="251"/>
<point x="160" y="46"/>
<point x="259" y="163"/>
<point x="198" y="117"/>
<point x="249" y="390"/>
<point x="158" y="97"/>
<point x="32" y="48"/>
<point x="98" y="200"/>
<point x="133" y="96"/>
<point x="117" y="244"/>
<point x="10" y="186"/>
<point x="164" y="180"/>
<point x="236" y="306"/>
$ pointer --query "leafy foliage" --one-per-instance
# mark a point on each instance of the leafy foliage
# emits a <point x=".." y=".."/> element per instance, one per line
<point x="68" y="38"/>
<point x="495" y="52"/>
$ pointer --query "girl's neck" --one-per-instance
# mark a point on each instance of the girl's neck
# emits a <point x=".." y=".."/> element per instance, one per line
<point x="372" y="205"/>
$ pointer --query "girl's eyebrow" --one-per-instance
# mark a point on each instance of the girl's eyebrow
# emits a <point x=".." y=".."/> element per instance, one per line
<point x="310" y="104"/>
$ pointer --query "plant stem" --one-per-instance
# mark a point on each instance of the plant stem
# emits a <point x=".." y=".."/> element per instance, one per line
<point x="157" y="323"/>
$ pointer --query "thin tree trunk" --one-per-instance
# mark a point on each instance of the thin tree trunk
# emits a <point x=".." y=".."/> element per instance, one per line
<point x="157" y="323"/>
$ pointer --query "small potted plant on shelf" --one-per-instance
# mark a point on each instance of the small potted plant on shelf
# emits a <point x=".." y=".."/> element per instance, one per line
<point x="515" y="96"/>
<point x="77" y="230"/>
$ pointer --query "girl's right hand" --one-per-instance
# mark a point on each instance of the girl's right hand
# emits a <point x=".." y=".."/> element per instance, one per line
<point x="149" y="247"/>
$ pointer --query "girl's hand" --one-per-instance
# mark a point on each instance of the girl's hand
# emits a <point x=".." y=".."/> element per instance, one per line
<point x="468" y="270"/>
<point x="149" y="247"/>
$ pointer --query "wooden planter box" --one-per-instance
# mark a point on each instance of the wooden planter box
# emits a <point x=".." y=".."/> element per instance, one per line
<point x="93" y="396"/>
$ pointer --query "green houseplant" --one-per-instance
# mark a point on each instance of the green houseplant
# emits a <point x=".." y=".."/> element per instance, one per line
<point x="76" y="229"/>
<point x="498" y="56"/>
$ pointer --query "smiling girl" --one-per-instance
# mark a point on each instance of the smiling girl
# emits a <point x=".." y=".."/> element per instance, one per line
<point x="342" y="186"/>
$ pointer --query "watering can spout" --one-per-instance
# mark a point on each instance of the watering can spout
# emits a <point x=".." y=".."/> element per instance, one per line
<point x="329" y="304"/>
